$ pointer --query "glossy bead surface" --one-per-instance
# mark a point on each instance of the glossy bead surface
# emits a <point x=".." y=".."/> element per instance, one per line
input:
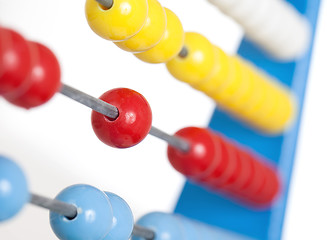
<point x="256" y="181"/>
<point x="189" y="228"/>
<point x="132" y="124"/>
<point x="151" y="32"/>
<point x="123" y="20"/>
<point x="94" y="218"/>
<point x="201" y="156"/>
<point x="123" y="221"/>
<point x="13" y="189"/>
<point x="15" y="61"/>
<point x="198" y="64"/>
<point x="44" y="79"/>
<point x="271" y="188"/>
<point x="245" y="172"/>
<point x="226" y="93"/>
<point x="221" y="176"/>
<point x="165" y="226"/>
<point x="170" y="44"/>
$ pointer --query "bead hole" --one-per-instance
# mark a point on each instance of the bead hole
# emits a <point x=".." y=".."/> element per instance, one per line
<point x="73" y="217"/>
<point x="183" y="53"/>
<point x="112" y="119"/>
<point x="106" y="4"/>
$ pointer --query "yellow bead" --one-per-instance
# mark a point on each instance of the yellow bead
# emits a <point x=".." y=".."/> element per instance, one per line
<point x="243" y="91"/>
<point x="248" y="88"/>
<point x="151" y="33"/>
<point x="123" y="20"/>
<point x="284" y="113"/>
<point x="198" y="64"/>
<point x="227" y="91"/>
<point x="258" y="99"/>
<point x="241" y="98"/>
<point x="276" y="112"/>
<point x="169" y="46"/>
<point x="222" y="69"/>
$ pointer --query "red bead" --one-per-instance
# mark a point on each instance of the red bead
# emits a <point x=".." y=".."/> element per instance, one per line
<point x="202" y="156"/>
<point x="245" y="172"/>
<point x="221" y="163"/>
<point x="221" y="176"/>
<point x="228" y="185"/>
<point x="269" y="190"/>
<point x="44" y="79"/>
<point x="132" y="124"/>
<point x="222" y="166"/>
<point x="257" y="180"/>
<point x="15" y="62"/>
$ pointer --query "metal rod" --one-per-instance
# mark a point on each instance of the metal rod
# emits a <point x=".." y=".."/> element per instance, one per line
<point x="174" y="141"/>
<point x="96" y="104"/>
<point x="62" y="208"/>
<point x="143" y="232"/>
<point x="106" y="3"/>
<point x="111" y="111"/>
<point x="70" y="211"/>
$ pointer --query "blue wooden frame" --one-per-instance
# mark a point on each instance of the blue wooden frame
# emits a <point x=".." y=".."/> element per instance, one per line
<point x="197" y="203"/>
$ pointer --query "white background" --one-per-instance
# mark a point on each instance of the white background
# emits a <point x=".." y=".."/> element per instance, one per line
<point x="56" y="146"/>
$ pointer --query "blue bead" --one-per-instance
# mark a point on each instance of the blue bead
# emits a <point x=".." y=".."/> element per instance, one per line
<point x="190" y="228"/>
<point x="123" y="221"/>
<point x="13" y="189"/>
<point x="165" y="226"/>
<point x="194" y="230"/>
<point x="94" y="218"/>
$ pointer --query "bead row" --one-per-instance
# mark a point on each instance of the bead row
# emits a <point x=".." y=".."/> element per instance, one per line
<point x="223" y="166"/>
<point x="130" y="124"/>
<point x="29" y="71"/>
<point x="177" y="227"/>
<point x="235" y="85"/>
<point x="275" y="25"/>
<point x="30" y="76"/>
<point x="153" y="33"/>
<point x="100" y="215"/>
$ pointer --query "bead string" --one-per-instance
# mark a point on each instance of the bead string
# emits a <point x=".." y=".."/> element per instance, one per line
<point x="70" y="211"/>
<point x="111" y="111"/>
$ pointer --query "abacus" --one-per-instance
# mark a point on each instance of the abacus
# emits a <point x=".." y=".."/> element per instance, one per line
<point x="201" y="174"/>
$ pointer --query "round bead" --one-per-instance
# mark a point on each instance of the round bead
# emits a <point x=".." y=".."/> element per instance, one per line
<point x="94" y="218"/>
<point x="228" y="185"/>
<point x="165" y="226"/>
<point x="256" y="181"/>
<point x="221" y="72"/>
<point x="123" y="221"/>
<point x="270" y="189"/>
<point x="202" y="154"/>
<point x="189" y="228"/>
<point x="15" y="61"/>
<point x="198" y="64"/>
<point x="132" y="124"/>
<point x="44" y="79"/>
<point x="123" y="20"/>
<point x="245" y="173"/>
<point x="170" y="44"/>
<point x="151" y="33"/>
<point x="220" y="177"/>
<point x="13" y="189"/>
